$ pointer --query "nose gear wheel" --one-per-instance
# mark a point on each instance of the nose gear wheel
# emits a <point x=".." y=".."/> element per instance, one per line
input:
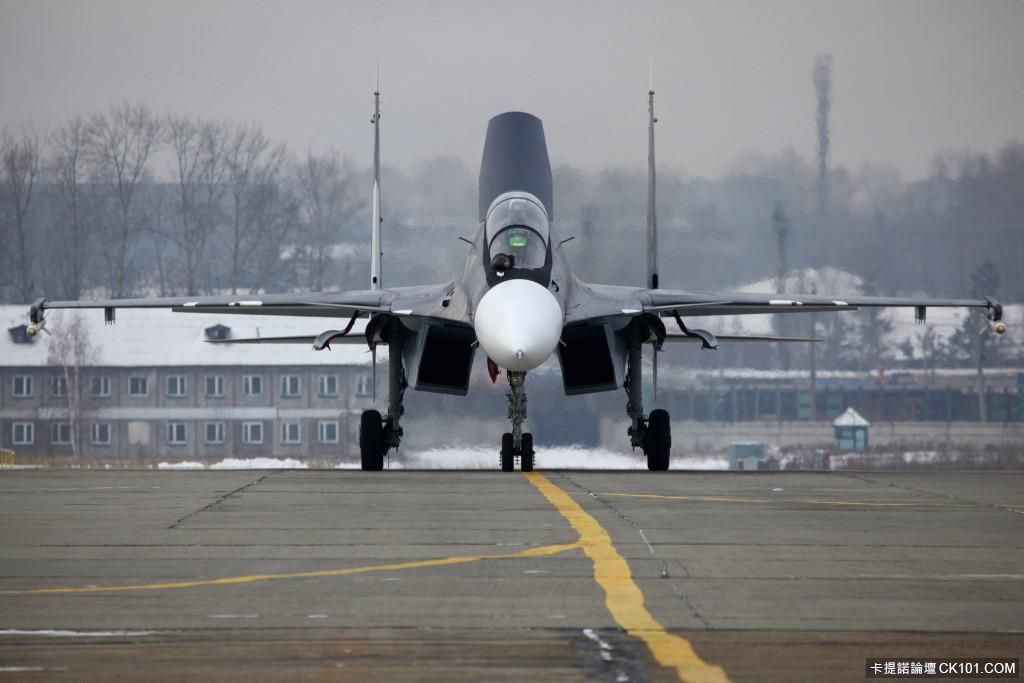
<point x="516" y="444"/>
<point x="509" y="453"/>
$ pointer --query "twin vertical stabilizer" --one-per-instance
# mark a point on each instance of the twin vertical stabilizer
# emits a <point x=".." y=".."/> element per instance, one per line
<point x="652" y="216"/>
<point x="375" y="217"/>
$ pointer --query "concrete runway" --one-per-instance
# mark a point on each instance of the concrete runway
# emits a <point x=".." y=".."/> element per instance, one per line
<point x="471" y="576"/>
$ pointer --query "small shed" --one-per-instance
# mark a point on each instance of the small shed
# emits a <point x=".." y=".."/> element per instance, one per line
<point x="745" y="455"/>
<point x="851" y="431"/>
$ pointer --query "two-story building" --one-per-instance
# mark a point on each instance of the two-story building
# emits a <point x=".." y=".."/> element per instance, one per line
<point x="151" y="386"/>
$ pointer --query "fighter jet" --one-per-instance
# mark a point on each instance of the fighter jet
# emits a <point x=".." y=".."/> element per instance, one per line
<point x="518" y="301"/>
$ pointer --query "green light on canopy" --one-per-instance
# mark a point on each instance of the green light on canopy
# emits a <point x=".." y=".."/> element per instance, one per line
<point x="517" y="238"/>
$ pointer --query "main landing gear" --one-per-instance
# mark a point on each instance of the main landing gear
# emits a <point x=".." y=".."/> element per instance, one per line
<point x="377" y="434"/>
<point x="652" y="433"/>
<point x="516" y="444"/>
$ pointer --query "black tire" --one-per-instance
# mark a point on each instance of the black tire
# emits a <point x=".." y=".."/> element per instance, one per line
<point x="371" y="441"/>
<point x="526" y="457"/>
<point x="508" y="454"/>
<point x="658" y="441"/>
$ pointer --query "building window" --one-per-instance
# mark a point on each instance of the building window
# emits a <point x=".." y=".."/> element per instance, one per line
<point x="327" y="431"/>
<point x="60" y="433"/>
<point x="290" y="385"/>
<point x="328" y="385"/>
<point x="214" y="432"/>
<point x="252" y="432"/>
<point x="100" y="434"/>
<point x="59" y="386"/>
<point x="138" y="386"/>
<point x="176" y="385"/>
<point x="291" y="433"/>
<point x="22" y="386"/>
<point x="23" y="433"/>
<point x="101" y="386"/>
<point x="215" y="386"/>
<point x="364" y="385"/>
<point x="252" y="385"/>
<point x="177" y="435"/>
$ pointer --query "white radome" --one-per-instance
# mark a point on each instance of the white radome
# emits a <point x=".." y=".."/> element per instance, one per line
<point x="518" y="324"/>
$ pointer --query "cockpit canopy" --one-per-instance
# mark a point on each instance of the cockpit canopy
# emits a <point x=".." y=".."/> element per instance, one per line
<point x="517" y="226"/>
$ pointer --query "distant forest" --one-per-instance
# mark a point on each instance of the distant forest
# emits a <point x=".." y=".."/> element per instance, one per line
<point x="131" y="202"/>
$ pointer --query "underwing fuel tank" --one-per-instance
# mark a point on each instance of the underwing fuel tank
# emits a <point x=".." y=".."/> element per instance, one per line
<point x="518" y="324"/>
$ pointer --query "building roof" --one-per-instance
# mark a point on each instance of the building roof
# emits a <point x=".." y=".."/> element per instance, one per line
<point x="158" y="337"/>
<point x="851" y="418"/>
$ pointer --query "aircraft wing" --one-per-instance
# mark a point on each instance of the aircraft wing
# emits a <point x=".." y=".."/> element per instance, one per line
<point x="664" y="301"/>
<point x="422" y="301"/>
<point x="602" y="301"/>
<point x="736" y="339"/>
<point x="307" y="339"/>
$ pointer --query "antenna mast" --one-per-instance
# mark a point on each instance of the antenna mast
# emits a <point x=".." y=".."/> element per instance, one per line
<point x="375" y="217"/>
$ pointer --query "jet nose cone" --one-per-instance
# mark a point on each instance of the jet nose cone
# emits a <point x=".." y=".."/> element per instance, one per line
<point x="518" y="324"/>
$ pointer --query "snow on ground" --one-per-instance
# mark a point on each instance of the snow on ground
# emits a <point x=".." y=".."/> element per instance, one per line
<point x="563" y="457"/>
<point x="72" y="634"/>
<point x="473" y="458"/>
<point x="893" y="460"/>
<point x="238" y="464"/>
<point x="259" y="464"/>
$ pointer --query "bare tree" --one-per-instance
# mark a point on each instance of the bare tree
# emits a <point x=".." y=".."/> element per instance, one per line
<point x="121" y="143"/>
<point x="932" y="351"/>
<point x="198" y="150"/>
<point x="260" y="215"/>
<point x="73" y="203"/>
<point x="161" y="261"/>
<point x="266" y="260"/>
<point x="326" y="192"/>
<point x="19" y="167"/>
<point x="71" y="350"/>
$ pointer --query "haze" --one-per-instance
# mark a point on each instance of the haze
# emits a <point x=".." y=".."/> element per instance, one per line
<point x="910" y="78"/>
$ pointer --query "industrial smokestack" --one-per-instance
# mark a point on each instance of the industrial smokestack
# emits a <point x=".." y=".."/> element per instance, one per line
<point x="780" y="226"/>
<point x="823" y="91"/>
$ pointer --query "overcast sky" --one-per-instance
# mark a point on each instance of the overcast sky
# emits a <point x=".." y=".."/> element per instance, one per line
<point x="910" y="77"/>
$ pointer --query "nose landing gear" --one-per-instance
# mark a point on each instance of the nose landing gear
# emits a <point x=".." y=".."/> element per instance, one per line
<point x="516" y="444"/>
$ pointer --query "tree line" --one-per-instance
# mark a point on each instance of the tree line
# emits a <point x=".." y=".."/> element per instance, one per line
<point x="129" y="202"/>
<point x="126" y="202"/>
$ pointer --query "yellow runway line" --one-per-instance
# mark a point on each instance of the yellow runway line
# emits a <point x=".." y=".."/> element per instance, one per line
<point x="252" y="578"/>
<point x="856" y="503"/>
<point x="623" y="596"/>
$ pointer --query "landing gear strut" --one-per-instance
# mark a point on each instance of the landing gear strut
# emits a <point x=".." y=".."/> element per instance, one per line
<point x="515" y="443"/>
<point x="651" y="433"/>
<point x="378" y="435"/>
